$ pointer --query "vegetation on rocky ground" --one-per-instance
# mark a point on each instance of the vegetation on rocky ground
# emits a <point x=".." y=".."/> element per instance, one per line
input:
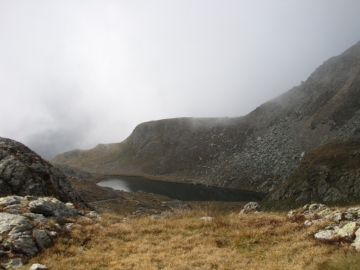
<point x="181" y="240"/>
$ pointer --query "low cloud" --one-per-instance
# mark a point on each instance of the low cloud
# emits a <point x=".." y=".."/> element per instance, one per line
<point x="77" y="73"/>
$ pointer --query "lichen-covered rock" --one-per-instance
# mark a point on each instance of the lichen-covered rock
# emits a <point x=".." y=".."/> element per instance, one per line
<point x="20" y="234"/>
<point x="9" y="221"/>
<point x="325" y="235"/>
<point x="251" y="207"/>
<point x="51" y="207"/>
<point x="11" y="200"/>
<point x="317" y="207"/>
<point x="22" y="243"/>
<point x="36" y="217"/>
<point x="42" y="238"/>
<point x="23" y="172"/>
<point x="337" y="217"/>
<point x="347" y="231"/>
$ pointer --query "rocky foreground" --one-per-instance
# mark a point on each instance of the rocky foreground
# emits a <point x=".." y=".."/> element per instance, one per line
<point x="339" y="226"/>
<point x="31" y="224"/>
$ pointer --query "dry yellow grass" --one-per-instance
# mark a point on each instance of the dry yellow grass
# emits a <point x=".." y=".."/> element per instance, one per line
<point x="183" y="241"/>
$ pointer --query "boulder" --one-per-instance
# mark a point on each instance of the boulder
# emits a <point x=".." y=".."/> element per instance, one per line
<point x="325" y="235"/>
<point x="11" y="200"/>
<point x="23" y="172"/>
<point x="251" y="207"/>
<point x="22" y="243"/>
<point x="42" y="238"/>
<point x="346" y="233"/>
<point x="51" y="207"/>
<point x="9" y="221"/>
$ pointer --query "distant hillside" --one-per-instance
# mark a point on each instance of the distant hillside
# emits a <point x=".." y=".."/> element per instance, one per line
<point x="256" y="152"/>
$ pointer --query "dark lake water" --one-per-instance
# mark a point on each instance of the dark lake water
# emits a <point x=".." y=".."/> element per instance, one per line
<point x="184" y="192"/>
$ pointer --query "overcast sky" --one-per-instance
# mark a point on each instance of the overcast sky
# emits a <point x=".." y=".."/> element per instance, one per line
<point x="77" y="73"/>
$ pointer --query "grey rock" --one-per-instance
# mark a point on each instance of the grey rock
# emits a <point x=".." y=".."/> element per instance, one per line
<point x="23" y="172"/>
<point x="11" y="200"/>
<point x="337" y="217"/>
<point x="36" y="217"/>
<point x="13" y="263"/>
<point x="251" y="207"/>
<point x="325" y="235"/>
<point x="42" y="238"/>
<point x="38" y="266"/>
<point x="93" y="214"/>
<point x="30" y="198"/>
<point x="22" y="243"/>
<point x="9" y="221"/>
<point x="345" y="233"/>
<point x="13" y="209"/>
<point x="311" y="222"/>
<point x="50" y="207"/>
<point x="317" y="207"/>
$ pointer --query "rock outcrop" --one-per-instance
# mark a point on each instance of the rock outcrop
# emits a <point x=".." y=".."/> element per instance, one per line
<point x="340" y="226"/>
<point x="256" y="152"/>
<point x="23" y="172"/>
<point x="328" y="174"/>
<point x="30" y="224"/>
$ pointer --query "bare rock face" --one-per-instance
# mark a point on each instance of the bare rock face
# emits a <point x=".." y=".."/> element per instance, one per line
<point x="329" y="174"/>
<point x="23" y="172"/>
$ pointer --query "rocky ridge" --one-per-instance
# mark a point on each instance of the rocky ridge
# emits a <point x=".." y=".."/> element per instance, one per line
<point x="256" y="152"/>
<point x="23" y="172"/>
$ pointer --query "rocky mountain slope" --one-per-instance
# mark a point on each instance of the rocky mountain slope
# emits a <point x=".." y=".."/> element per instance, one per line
<point x="330" y="173"/>
<point x="256" y="152"/>
<point x="23" y="172"/>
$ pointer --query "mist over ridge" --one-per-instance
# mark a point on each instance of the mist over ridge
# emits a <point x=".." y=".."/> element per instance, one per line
<point x="75" y="74"/>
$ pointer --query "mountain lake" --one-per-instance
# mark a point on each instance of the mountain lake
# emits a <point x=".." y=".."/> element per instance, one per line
<point x="180" y="191"/>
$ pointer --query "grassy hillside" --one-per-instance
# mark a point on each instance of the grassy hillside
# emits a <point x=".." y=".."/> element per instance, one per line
<point x="183" y="241"/>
